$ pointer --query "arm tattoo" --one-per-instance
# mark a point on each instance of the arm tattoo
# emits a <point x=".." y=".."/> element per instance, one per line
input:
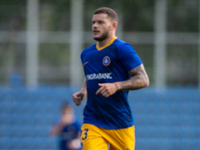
<point x="138" y="80"/>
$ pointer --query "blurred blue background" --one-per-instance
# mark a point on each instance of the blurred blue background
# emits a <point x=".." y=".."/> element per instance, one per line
<point x="40" y="44"/>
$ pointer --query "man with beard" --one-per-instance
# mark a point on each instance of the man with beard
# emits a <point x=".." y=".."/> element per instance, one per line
<point x="112" y="68"/>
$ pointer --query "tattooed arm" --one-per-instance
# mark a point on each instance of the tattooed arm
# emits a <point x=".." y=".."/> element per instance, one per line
<point x="138" y="80"/>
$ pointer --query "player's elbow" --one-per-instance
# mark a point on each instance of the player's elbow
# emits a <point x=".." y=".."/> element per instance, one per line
<point x="147" y="82"/>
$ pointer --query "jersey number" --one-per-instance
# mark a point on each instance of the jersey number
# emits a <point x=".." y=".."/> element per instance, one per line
<point x="85" y="133"/>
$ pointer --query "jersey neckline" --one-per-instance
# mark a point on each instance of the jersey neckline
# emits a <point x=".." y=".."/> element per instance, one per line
<point x="108" y="44"/>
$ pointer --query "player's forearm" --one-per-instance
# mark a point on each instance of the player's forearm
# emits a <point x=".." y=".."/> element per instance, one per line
<point x="138" y="80"/>
<point x="84" y="89"/>
<point x="134" y="83"/>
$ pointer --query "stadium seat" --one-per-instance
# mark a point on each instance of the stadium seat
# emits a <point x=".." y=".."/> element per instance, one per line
<point x="164" y="120"/>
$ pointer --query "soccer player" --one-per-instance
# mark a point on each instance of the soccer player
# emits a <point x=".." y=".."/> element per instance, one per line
<point x="68" y="129"/>
<point x="112" y="68"/>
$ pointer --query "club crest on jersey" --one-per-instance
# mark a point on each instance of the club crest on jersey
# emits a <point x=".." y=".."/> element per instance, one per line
<point x="106" y="61"/>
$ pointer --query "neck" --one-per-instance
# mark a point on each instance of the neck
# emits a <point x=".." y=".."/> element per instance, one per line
<point x="106" y="41"/>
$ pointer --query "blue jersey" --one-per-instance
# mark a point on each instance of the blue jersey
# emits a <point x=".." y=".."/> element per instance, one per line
<point x="108" y="64"/>
<point x="68" y="133"/>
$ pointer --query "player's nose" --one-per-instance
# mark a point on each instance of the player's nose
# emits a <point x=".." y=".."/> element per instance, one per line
<point x="95" y="25"/>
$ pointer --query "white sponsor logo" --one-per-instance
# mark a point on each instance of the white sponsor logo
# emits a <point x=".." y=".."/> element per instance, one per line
<point x="95" y="76"/>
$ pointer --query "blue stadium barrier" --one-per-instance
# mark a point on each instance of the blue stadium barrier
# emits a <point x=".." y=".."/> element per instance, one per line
<point x="164" y="119"/>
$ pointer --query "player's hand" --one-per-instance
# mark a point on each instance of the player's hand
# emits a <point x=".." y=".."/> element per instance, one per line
<point x="107" y="89"/>
<point x="77" y="98"/>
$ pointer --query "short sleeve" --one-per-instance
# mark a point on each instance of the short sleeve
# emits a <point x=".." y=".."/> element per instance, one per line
<point x="128" y="56"/>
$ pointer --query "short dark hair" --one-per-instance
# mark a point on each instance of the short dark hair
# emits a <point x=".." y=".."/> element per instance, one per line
<point x="110" y="12"/>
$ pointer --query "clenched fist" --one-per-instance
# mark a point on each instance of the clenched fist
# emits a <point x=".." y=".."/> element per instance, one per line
<point x="78" y="97"/>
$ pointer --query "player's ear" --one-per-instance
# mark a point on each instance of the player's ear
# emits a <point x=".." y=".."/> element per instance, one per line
<point x="115" y="25"/>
